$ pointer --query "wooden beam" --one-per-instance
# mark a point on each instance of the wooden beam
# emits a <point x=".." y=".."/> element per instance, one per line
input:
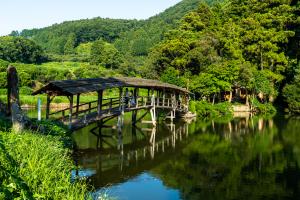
<point x="48" y="106"/>
<point x="120" y="97"/>
<point x="133" y="117"/>
<point x="100" y="98"/>
<point x="135" y="96"/>
<point x="77" y="104"/>
<point x="71" y="107"/>
<point x="164" y="97"/>
<point x="135" y="92"/>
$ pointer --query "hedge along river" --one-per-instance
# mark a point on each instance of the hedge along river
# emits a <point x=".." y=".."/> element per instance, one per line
<point x="242" y="158"/>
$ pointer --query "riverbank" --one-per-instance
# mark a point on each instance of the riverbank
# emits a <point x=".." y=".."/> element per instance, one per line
<point x="38" y="165"/>
<point x="204" y="109"/>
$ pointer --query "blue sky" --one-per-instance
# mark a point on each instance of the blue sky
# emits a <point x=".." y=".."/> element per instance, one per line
<point x="27" y="14"/>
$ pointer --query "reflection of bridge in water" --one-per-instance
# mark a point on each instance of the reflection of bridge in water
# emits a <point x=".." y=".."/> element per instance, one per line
<point x="116" y="158"/>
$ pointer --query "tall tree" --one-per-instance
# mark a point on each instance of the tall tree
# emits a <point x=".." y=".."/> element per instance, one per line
<point x="70" y="44"/>
<point x="105" y="54"/>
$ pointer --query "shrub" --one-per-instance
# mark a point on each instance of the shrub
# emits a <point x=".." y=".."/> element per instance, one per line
<point x="3" y="79"/>
<point x="263" y="108"/>
<point x="26" y="90"/>
<point x="3" y="65"/>
<point x="25" y="79"/>
<point x="192" y="106"/>
<point x="205" y="109"/>
<point x="291" y="93"/>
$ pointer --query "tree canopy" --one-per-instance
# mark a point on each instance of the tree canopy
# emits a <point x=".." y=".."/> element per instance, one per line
<point x="235" y="44"/>
<point x="18" y="49"/>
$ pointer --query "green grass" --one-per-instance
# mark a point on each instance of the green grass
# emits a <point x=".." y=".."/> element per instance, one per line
<point x="35" y="166"/>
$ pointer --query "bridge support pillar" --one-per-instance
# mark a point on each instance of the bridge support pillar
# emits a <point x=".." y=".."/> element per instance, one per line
<point x="71" y="111"/>
<point x="48" y="106"/>
<point x="99" y="106"/>
<point x="77" y="105"/>
<point x="133" y="117"/>
<point x="153" y="110"/>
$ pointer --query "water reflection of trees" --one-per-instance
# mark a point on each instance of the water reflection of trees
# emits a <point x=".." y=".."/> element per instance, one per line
<point x="248" y="159"/>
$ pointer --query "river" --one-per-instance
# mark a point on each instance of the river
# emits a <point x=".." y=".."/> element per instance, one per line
<point x="242" y="158"/>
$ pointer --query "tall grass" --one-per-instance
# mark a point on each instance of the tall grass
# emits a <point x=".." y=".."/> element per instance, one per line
<point x="34" y="166"/>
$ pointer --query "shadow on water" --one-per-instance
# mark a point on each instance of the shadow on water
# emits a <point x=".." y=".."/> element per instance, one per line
<point x="243" y="158"/>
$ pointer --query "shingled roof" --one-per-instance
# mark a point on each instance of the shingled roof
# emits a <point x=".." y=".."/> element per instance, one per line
<point x="73" y="87"/>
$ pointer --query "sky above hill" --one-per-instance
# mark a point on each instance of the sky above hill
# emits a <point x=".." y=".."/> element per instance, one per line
<point x="28" y="14"/>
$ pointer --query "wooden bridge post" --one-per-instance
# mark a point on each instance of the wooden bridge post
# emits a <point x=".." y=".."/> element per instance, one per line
<point x="100" y="97"/>
<point x="90" y="106"/>
<point x="152" y="110"/>
<point x="110" y="106"/>
<point x="49" y="100"/>
<point x="71" y="109"/>
<point x="158" y="96"/>
<point x="137" y="99"/>
<point x="77" y="105"/>
<point x="133" y="118"/>
<point x="164" y="97"/>
<point x="120" y="98"/>
<point x="134" y="97"/>
<point x="48" y="106"/>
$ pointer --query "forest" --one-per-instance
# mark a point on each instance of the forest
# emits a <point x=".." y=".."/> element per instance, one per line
<point x="213" y="48"/>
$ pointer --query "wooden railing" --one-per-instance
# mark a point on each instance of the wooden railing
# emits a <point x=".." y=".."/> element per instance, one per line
<point x="110" y="104"/>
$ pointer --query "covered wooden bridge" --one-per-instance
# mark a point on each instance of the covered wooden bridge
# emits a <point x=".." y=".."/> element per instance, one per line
<point x="150" y="95"/>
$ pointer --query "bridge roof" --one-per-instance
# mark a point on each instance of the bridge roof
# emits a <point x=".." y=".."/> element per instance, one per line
<point x="73" y="87"/>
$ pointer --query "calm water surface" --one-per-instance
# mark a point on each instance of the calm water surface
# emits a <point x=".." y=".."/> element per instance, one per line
<point x="245" y="158"/>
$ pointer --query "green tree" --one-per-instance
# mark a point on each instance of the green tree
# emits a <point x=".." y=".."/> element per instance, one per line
<point x="84" y="49"/>
<point x="105" y="54"/>
<point x="18" y="49"/>
<point x="70" y="44"/>
<point x="171" y="75"/>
